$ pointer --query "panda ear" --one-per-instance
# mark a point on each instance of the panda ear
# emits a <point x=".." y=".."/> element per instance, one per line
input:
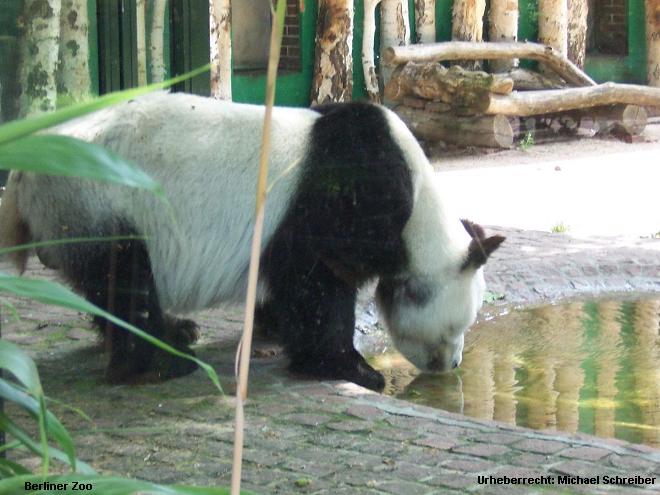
<point x="481" y="247"/>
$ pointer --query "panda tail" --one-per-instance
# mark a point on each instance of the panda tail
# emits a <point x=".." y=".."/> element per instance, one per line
<point x="14" y="230"/>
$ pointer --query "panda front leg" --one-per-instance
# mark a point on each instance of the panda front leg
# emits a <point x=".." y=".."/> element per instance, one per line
<point x="315" y="313"/>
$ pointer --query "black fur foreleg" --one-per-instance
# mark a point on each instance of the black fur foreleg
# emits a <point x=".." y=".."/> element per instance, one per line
<point x="316" y="319"/>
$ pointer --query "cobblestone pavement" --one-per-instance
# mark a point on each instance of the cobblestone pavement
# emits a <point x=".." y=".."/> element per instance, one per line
<point x="336" y="438"/>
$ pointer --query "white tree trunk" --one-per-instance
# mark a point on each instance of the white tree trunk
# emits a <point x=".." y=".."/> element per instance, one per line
<point x="140" y="7"/>
<point x="425" y="20"/>
<point x="394" y="30"/>
<point x="39" y="52"/>
<point x="220" y="20"/>
<point x="157" y="41"/>
<point x="73" y="77"/>
<point x="503" y="26"/>
<point x="368" y="63"/>
<point x="333" y="61"/>
<point x="553" y="24"/>
<point x="467" y="24"/>
<point x="467" y="21"/>
<point x="578" y="11"/>
<point x="653" y="42"/>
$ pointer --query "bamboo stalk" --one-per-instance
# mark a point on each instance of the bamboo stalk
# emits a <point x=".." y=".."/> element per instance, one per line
<point x="250" y="303"/>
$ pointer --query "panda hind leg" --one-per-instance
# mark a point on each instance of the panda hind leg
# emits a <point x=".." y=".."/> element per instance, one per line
<point x="316" y="320"/>
<point x="117" y="277"/>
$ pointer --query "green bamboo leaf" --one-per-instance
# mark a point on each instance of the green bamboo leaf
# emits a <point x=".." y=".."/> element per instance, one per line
<point x="70" y="240"/>
<point x="25" y="127"/>
<point x="105" y="485"/>
<point x="10" y="468"/>
<point x="19" y="364"/>
<point x="52" y="293"/>
<point x="37" y="448"/>
<point x="54" y="428"/>
<point x="67" y="156"/>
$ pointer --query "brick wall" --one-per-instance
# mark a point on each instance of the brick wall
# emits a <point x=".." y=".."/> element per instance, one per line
<point x="611" y="36"/>
<point x="290" y="53"/>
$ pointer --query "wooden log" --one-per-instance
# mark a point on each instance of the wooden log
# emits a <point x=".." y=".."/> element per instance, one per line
<point x="461" y="50"/>
<point x="434" y="82"/>
<point x="527" y="80"/>
<point x="414" y="102"/>
<point x="436" y="106"/>
<point x="492" y="131"/>
<point x="526" y="103"/>
<point x="630" y="120"/>
<point x="418" y="76"/>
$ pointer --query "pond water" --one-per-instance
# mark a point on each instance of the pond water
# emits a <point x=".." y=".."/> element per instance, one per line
<point x="592" y="367"/>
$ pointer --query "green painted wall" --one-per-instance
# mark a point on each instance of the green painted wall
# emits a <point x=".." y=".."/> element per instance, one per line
<point x="292" y="88"/>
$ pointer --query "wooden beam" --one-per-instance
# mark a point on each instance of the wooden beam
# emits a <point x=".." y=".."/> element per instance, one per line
<point x="464" y="50"/>
<point x="493" y="131"/>
<point x="526" y="103"/>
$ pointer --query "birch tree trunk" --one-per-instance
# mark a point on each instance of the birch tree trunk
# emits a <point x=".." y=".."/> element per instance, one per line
<point x="467" y="24"/>
<point x="156" y="41"/>
<point x="73" y="76"/>
<point x="425" y="20"/>
<point x="220" y="19"/>
<point x="333" y="60"/>
<point x="39" y="50"/>
<point x="503" y="26"/>
<point x="553" y="24"/>
<point x="394" y="30"/>
<point x="578" y="11"/>
<point x="653" y="42"/>
<point x="368" y="63"/>
<point x="141" y="40"/>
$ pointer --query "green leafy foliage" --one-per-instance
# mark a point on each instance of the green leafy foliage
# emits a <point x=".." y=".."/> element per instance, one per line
<point x="64" y="155"/>
<point x="60" y="155"/>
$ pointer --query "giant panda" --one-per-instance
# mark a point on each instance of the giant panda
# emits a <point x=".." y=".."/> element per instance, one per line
<point x="351" y="199"/>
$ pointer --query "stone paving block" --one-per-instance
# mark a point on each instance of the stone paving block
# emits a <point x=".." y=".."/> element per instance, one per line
<point x="310" y="468"/>
<point x="350" y="425"/>
<point x="453" y="480"/>
<point x="395" y="434"/>
<point x="359" y="478"/>
<point x="585" y="453"/>
<point x="366" y="462"/>
<point x="585" y="469"/>
<point x="498" y="438"/>
<point x="365" y="412"/>
<point x="437" y="442"/>
<point x="629" y="462"/>
<point x="381" y="447"/>
<point x="411" y="472"/>
<point x="541" y="446"/>
<point x="424" y="455"/>
<point x="528" y="459"/>
<point x="469" y="465"/>
<point x="482" y="450"/>
<point x="398" y="487"/>
<point x="308" y="419"/>
<point x="512" y="490"/>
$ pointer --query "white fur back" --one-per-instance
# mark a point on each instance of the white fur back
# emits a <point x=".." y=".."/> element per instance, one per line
<point x="205" y="154"/>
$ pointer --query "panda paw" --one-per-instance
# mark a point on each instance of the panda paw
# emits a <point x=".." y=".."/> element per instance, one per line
<point x="350" y="367"/>
<point x="162" y="366"/>
<point x="181" y="331"/>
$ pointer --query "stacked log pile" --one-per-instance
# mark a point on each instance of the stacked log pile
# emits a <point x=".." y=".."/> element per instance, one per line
<point x="468" y="107"/>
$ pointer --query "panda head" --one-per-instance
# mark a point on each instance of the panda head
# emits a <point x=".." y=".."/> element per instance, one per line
<point x="428" y="315"/>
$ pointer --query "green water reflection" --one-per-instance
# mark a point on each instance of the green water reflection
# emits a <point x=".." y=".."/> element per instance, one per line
<point x="592" y="367"/>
